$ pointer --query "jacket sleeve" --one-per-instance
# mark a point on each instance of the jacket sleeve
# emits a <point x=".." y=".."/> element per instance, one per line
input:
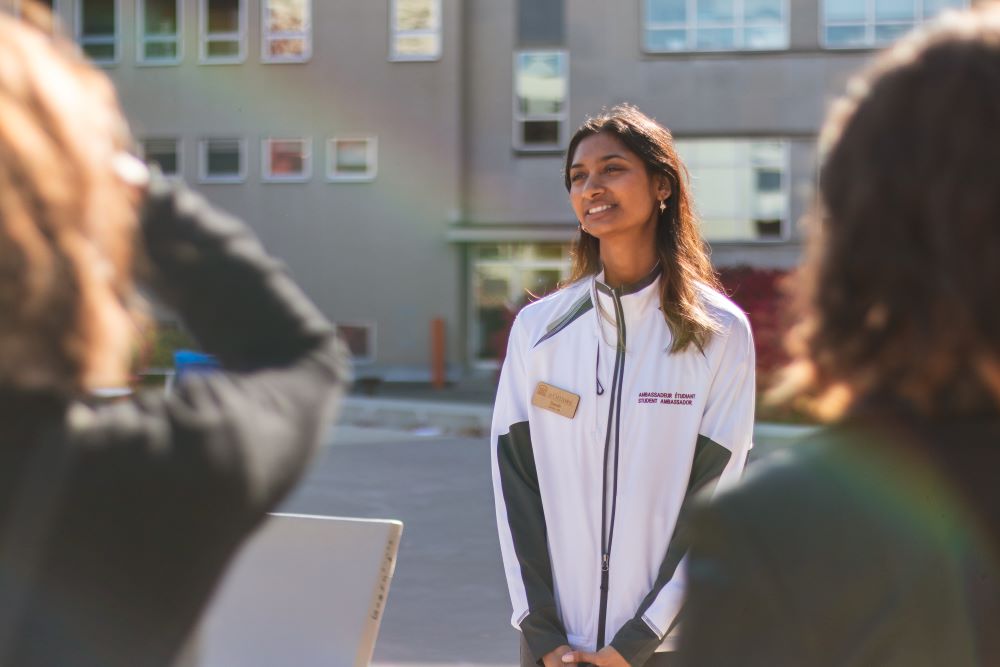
<point x="235" y="441"/>
<point x="520" y="516"/>
<point x="721" y="451"/>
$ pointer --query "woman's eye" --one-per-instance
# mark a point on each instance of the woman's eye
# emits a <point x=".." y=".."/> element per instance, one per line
<point x="576" y="177"/>
<point x="612" y="167"/>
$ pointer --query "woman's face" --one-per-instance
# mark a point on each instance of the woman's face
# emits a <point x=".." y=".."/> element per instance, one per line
<point x="611" y="190"/>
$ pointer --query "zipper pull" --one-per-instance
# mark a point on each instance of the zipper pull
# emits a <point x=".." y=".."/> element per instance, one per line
<point x="597" y="371"/>
<point x="604" y="562"/>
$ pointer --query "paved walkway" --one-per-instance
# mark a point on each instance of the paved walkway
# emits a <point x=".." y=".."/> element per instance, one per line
<point x="425" y="461"/>
<point x="448" y="601"/>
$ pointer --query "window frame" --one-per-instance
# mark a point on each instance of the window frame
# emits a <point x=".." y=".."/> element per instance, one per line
<point x="331" y="159"/>
<point x="372" y="335"/>
<point x="266" y="37"/>
<point x="204" y="37"/>
<point x="205" y="177"/>
<point x="116" y="39"/>
<point x="869" y="24"/>
<point x="519" y="118"/>
<point x="786" y="189"/>
<point x="438" y="31"/>
<point x="267" y="176"/>
<point x="177" y="151"/>
<point x="141" y="39"/>
<point x="739" y="25"/>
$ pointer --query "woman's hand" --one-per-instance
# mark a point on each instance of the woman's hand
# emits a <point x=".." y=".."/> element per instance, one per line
<point x="606" y="657"/>
<point x="555" y="658"/>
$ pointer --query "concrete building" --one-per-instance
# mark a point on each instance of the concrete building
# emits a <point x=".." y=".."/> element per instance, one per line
<point x="404" y="157"/>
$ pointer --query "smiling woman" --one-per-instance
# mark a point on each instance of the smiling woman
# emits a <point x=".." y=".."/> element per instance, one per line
<point x="627" y="159"/>
<point x="635" y="379"/>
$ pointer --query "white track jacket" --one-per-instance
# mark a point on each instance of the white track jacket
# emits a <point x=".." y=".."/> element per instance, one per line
<point x="587" y="506"/>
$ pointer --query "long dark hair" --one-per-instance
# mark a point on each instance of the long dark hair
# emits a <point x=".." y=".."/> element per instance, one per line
<point x="898" y="295"/>
<point x="679" y="246"/>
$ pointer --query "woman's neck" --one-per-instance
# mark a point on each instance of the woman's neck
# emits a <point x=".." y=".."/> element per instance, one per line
<point x="628" y="264"/>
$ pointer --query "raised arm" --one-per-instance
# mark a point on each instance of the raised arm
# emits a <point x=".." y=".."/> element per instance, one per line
<point x="237" y="440"/>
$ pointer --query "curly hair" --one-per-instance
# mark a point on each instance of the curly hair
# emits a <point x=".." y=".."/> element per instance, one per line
<point x="897" y="296"/>
<point x="679" y="246"/>
<point x="67" y="221"/>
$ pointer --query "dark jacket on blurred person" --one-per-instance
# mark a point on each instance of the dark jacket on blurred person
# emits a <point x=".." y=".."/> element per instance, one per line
<point x="874" y="543"/>
<point x="117" y="520"/>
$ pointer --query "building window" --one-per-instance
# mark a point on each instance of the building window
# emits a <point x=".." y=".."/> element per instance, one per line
<point x="715" y="25"/>
<point x="415" y="30"/>
<point x="287" y="31"/>
<point x="541" y="23"/>
<point x="540" y="99"/>
<point x="222" y="160"/>
<point x="97" y="26"/>
<point x="286" y="159"/>
<point x="873" y="23"/>
<point x="164" y="153"/>
<point x="741" y="187"/>
<point x="505" y="277"/>
<point x="352" y="158"/>
<point x="223" y="29"/>
<point x="159" y="24"/>
<point x="360" y="340"/>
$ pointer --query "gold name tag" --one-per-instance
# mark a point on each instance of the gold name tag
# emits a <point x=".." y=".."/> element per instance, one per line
<point x="555" y="400"/>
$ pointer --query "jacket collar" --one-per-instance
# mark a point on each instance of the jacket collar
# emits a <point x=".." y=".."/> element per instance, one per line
<point x="632" y="288"/>
<point x="636" y="299"/>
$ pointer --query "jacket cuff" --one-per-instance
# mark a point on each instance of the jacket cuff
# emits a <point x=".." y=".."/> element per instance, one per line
<point x="543" y="632"/>
<point x="636" y="642"/>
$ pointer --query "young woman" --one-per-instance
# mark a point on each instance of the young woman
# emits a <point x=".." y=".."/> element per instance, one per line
<point x="621" y="395"/>
<point x="117" y="519"/>
<point x="877" y="542"/>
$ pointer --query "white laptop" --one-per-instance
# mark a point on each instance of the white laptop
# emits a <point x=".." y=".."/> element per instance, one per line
<point x="305" y="591"/>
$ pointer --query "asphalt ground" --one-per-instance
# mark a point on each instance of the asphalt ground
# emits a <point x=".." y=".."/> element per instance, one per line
<point x="448" y="599"/>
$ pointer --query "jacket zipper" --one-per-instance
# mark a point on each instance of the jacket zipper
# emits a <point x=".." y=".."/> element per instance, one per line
<point x="614" y="417"/>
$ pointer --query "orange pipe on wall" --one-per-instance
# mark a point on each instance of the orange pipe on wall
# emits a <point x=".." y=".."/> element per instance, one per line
<point x="437" y="353"/>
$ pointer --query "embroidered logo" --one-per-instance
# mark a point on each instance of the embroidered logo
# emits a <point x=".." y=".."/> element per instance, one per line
<point x="666" y="398"/>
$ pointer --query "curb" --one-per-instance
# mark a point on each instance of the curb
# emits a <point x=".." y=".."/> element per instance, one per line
<point x="408" y="415"/>
<point x="473" y="420"/>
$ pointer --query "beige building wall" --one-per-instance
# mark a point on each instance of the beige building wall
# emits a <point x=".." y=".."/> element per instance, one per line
<point x="458" y="222"/>
<point x="367" y="252"/>
<point x="739" y="94"/>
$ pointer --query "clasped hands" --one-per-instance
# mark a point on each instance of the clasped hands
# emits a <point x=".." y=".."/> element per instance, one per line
<point x="564" y="656"/>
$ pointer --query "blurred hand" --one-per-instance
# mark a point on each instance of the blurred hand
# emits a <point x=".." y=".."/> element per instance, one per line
<point x="606" y="657"/>
<point x="131" y="170"/>
<point x="555" y="658"/>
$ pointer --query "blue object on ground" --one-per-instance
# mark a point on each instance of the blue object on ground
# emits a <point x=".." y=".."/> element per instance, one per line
<point x="189" y="361"/>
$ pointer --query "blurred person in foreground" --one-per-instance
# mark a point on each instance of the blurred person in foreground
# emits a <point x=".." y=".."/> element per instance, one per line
<point x="877" y="541"/>
<point x="118" y="518"/>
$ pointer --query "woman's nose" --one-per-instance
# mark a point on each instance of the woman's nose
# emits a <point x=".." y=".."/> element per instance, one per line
<point x="593" y="187"/>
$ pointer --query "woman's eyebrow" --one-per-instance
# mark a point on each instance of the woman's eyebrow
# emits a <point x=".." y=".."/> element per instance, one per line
<point x="609" y="156"/>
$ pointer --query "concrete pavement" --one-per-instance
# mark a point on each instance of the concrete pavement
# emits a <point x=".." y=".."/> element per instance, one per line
<point x="426" y="463"/>
<point x="448" y="601"/>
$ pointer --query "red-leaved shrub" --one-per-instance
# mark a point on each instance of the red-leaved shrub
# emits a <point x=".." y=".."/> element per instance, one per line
<point x="758" y="293"/>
